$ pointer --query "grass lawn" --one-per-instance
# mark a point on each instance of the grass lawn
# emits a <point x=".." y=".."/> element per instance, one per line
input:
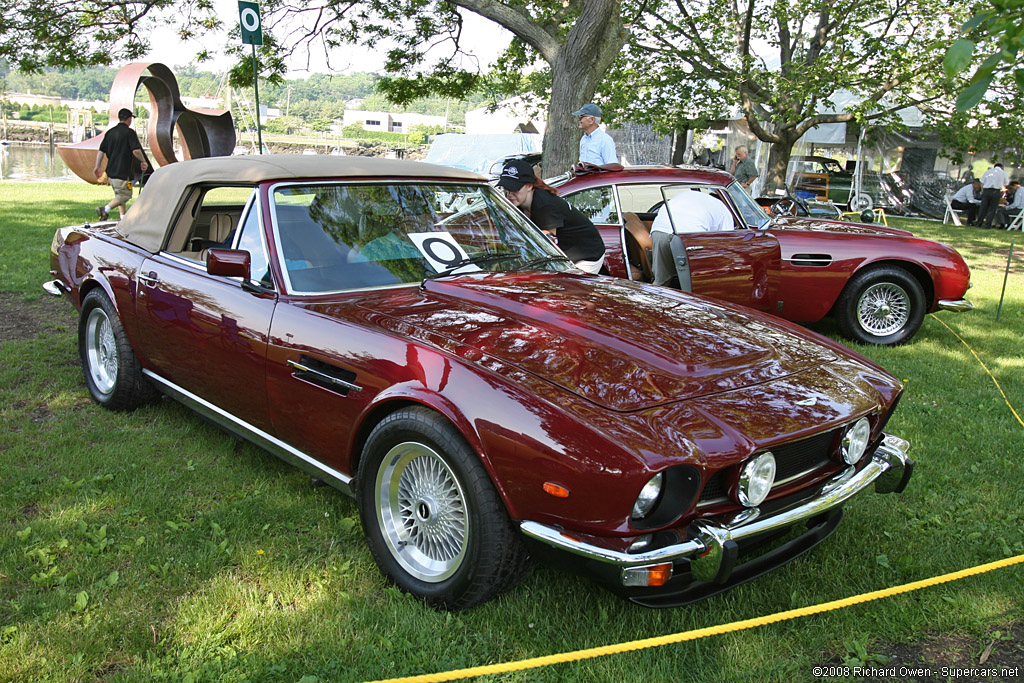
<point x="151" y="546"/>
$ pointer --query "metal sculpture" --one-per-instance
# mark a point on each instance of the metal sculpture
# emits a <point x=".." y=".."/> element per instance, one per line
<point x="201" y="132"/>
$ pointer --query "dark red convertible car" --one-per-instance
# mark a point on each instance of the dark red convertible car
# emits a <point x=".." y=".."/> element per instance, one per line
<point x="400" y="331"/>
<point x="877" y="282"/>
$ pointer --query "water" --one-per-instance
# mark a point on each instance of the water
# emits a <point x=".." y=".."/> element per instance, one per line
<point x="19" y="161"/>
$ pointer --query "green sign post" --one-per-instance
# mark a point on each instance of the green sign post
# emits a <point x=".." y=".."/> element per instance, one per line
<point x="252" y="34"/>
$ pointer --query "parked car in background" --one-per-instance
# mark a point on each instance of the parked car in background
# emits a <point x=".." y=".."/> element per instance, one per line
<point x="823" y="179"/>
<point x="877" y="282"/>
<point x="483" y="399"/>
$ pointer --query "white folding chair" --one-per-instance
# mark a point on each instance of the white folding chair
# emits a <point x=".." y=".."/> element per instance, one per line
<point x="1015" y="224"/>
<point x="951" y="213"/>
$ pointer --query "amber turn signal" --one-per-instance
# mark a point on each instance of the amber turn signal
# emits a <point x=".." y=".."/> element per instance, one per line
<point x="556" y="490"/>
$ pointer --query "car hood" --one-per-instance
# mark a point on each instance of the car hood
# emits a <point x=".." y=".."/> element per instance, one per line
<point x="824" y="225"/>
<point x="621" y="345"/>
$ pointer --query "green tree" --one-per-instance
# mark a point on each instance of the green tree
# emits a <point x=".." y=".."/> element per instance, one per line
<point x="784" y="61"/>
<point x="574" y="41"/>
<point x="38" y="33"/>
<point x="997" y="28"/>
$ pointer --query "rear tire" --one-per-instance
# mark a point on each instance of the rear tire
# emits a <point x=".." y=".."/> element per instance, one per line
<point x="435" y="524"/>
<point x="112" y="372"/>
<point x="883" y="305"/>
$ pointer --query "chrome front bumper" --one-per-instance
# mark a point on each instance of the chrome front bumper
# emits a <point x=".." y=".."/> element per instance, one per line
<point x="958" y="305"/>
<point x="54" y="288"/>
<point x="888" y="470"/>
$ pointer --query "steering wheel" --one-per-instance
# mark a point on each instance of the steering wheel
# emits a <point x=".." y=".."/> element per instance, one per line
<point x="784" y="207"/>
<point x="656" y="207"/>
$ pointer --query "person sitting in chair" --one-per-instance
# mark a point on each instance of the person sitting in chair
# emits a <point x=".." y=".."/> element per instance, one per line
<point x="968" y="198"/>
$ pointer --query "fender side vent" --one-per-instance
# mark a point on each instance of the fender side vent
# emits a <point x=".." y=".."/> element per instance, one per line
<point x="816" y="260"/>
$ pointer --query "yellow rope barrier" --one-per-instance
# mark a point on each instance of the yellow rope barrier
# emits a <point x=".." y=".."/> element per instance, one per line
<point x="994" y="380"/>
<point x="659" y="641"/>
<point x="702" y="632"/>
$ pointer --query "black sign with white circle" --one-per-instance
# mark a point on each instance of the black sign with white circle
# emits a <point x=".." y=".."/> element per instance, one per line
<point x="249" y="19"/>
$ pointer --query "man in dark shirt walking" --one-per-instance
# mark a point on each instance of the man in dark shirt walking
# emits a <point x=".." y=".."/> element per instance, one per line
<point x="119" y="145"/>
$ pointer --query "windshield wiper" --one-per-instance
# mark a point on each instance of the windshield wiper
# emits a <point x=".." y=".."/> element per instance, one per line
<point x="477" y="260"/>
<point x="540" y="261"/>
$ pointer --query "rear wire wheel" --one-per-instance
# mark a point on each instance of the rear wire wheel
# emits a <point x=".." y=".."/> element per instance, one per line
<point x="434" y="521"/>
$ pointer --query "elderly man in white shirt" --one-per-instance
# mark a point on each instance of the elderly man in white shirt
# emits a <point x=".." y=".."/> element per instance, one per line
<point x="992" y="183"/>
<point x="687" y="211"/>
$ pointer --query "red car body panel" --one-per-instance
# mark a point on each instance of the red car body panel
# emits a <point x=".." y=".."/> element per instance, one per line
<point x="590" y="383"/>
<point x="741" y="267"/>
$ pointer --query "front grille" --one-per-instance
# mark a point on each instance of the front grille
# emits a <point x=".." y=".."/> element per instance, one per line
<point x="792" y="461"/>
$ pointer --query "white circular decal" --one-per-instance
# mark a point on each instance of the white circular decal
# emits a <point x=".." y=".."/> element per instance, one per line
<point x="250" y="19"/>
<point x="442" y="251"/>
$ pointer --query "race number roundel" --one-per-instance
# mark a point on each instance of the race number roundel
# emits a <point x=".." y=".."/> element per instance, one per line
<point x="249" y="19"/>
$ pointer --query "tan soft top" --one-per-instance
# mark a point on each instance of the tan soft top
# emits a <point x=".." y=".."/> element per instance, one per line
<point x="147" y="223"/>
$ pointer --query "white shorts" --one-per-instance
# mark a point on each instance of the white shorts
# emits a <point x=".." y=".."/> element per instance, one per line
<point x="593" y="267"/>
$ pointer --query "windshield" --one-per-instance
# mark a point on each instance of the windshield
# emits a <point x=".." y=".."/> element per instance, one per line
<point x="753" y="215"/>
<point x="334" y="237"/>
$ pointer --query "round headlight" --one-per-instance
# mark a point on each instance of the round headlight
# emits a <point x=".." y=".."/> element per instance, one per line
<point x="855" y="441"/>
<point x="648" y="497"/>
<point x="756" y="480"/>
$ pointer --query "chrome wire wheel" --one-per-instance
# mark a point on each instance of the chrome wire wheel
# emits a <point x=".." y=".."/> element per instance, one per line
<point x="421" y="510"/>
<point x="101" y="354"/>
<point x="883" y="309"/>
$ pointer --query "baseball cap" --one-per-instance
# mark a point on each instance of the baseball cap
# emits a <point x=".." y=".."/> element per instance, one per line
<point x="516" y="173"/>
<point x="588" y="110"/>
<point x="125" y="114"/>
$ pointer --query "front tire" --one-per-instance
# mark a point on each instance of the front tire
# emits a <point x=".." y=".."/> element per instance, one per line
<point x="884" y="306"/>
<point x="861" y="202"/>
<point x="112" y="372"/>
<point x="435" y="524"/>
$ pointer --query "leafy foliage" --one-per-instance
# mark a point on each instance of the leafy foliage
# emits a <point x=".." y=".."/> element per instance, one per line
<point x="67" y="33"/>
<point x="998" y="29"/>
<point x="783" y="62"/>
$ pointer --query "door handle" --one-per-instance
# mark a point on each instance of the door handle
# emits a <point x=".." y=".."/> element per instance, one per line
<point x="150" y="279"/>
<point x="694" y="248"/>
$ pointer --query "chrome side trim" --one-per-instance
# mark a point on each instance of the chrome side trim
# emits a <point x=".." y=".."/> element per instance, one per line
<point x="958" y="305"/>
<point x="291" y="455"/>
<point x="713" y="533"/>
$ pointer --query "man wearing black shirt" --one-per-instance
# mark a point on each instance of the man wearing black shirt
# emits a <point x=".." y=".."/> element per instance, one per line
<point x="119" y="145"/>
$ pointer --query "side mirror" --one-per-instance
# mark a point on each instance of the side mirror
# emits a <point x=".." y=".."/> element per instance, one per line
<point x="228" y="263"/>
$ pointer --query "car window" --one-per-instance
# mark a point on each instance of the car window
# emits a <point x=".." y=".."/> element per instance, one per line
<point x="334" y="237"/>
<point x="209" y="220"/>
<point x="597" y="203"/>
<point x="641" y="199"/>
<point x="751" y="212"/>
<point x="251" y="240"/>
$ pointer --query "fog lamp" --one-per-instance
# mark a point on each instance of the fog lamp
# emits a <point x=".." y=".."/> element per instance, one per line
<point x="756" y="480"/>
<point x="648" y="497"/>
<point x="855" y="441"/>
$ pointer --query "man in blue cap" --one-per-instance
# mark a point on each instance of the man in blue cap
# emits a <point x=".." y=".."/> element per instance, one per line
<point x="596" y="146"/>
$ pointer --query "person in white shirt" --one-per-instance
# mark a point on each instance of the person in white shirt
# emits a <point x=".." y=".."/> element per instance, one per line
<point x="992" y="183"/>
<point x="596" y="146"/>
<point x="1006" y="214"/>
<point x="968" y="198"/>
<point x="687" y="211"/>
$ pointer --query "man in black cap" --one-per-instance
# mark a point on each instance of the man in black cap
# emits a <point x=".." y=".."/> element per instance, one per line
<point x="119" y="145"/>
<point x="596" y="146"/>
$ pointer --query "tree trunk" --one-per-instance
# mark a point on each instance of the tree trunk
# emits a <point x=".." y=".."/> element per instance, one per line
<point x="582" y="61"/>
<point x="778" y="161"/>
